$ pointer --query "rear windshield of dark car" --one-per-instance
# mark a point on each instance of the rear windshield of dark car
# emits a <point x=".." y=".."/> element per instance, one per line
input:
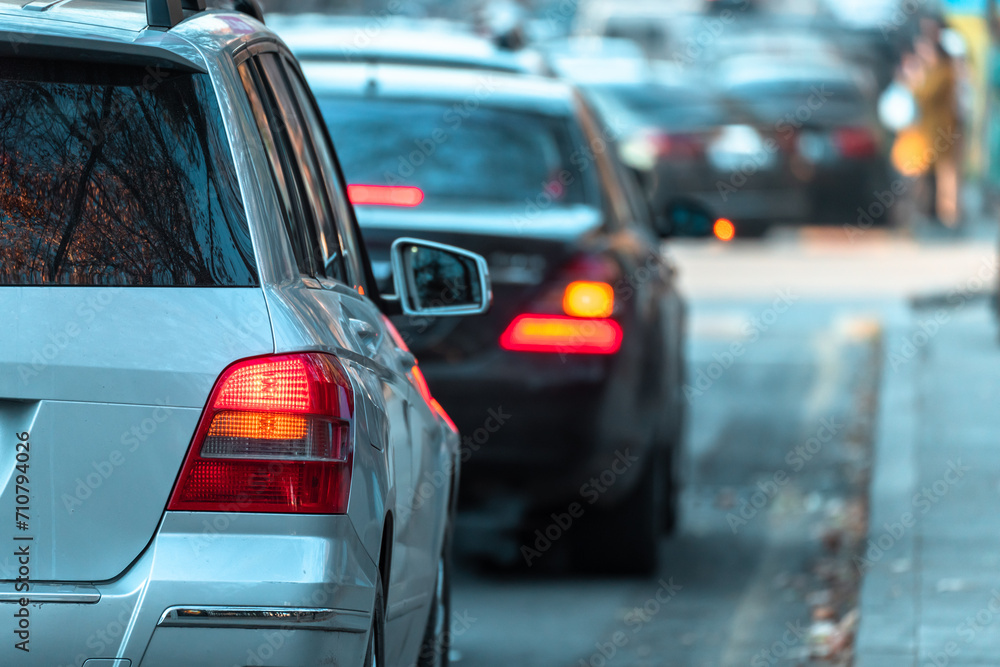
<point x="457" y="157"/>
<point x="116" y="176"/>
<point x="810" y="101"/>
<point x="666" y="107"/>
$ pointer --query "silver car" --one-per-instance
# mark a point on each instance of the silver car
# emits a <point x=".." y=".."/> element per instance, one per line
<point x="214" y="448"/>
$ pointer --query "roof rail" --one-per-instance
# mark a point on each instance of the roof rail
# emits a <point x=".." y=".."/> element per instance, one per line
<point x="168" y="13"/>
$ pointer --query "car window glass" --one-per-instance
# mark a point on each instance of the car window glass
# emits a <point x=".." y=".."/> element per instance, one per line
<point x="349" y="248"/>
<point x="634" y="197"/>
<point x="105" y="180"/>
<point x="616" y="200"/>
<point x="496" y="156"/>
<point x="277" y="144"/>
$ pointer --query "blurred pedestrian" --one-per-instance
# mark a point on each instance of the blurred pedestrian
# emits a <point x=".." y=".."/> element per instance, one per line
<point x="931" y="73"/>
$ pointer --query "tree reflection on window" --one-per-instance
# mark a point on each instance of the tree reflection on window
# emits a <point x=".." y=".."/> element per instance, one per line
<point x="116" y="176"/>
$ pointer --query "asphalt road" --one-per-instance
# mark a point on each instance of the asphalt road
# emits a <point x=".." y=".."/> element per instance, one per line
<point x="778" y="454"/>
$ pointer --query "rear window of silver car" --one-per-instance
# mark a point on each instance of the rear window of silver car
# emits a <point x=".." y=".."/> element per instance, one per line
<point x="118" y="176"/>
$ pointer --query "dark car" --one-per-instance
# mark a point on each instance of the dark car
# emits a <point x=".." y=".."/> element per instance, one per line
<point x="802" y="144"/>
<point x="569" y="391"/>
<point x="761" y="140"/>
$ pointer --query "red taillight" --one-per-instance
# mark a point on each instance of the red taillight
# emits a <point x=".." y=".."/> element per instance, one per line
<point x="385" y="195"/>
<point x="420" y="382"/>
<point x="555" y="333"/>
<point x="443" y="415"/>
<point x="574" y="316"/>
<point x="684" y="146"/>
<point x="855" y="142"/>
<point x="274" y="437"/>
<point x="675" y="145"/>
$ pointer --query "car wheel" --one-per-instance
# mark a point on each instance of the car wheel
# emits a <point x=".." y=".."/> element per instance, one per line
<point x="375" y="657"/>
<point x="436" y="647"/>
<point x="625" y="538"/>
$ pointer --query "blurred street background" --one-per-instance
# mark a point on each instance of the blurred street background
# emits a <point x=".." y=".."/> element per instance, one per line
<point x="853" y="149"/>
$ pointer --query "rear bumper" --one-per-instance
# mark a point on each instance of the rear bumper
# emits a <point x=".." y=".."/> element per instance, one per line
<point x="832" y="193"/>
<point x="535" y="427"/>
<point x="220" y="589"/>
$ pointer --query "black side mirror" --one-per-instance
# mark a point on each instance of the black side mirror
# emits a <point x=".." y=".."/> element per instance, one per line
<point x="685" y="216"/>
<point x="438" y="280"/>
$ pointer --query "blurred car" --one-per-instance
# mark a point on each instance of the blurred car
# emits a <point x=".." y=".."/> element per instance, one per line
<point x="760" y="140"/>
<point x="801" y="143"/>
<point x="211" y="435"/>
<point x="720" y="6"/>
<point x="783" y="40"/>
<point x="582" y="59"/>
<point x="581" y="360"/>
<point x="651" y="24"/>
<point x="431" y="43"/>
<point x="874" y="34"/>
<point x="659" y="114"/>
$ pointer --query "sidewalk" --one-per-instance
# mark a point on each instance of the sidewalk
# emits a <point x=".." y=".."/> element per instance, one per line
<point x="931" y="591"/>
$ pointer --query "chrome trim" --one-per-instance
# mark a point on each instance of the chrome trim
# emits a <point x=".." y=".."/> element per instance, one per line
<point x="304" y="618"/>
<point x="50" y="593"/>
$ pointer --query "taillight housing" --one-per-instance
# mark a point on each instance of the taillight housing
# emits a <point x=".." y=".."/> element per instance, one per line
<point x="566" y="335"/>
<point x="647" y="147"/>
<point x="855" y="142"/>
<point x="575" y="317"/>
<point x="275" y="436"/>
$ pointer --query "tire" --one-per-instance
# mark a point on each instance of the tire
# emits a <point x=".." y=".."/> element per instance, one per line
<point x="624" y="539"/>
<point x="375" y="656"/>
<point x="436" y="647"/>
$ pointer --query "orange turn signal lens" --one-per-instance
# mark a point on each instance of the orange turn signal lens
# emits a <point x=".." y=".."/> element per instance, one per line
<point x="258" y="426"/>
<point x="584" y="298"/>
<point x="555" y="333"/>
<point x="724" y="229"/>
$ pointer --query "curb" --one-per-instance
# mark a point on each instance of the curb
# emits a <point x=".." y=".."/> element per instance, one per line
<point x="887" y="633"/>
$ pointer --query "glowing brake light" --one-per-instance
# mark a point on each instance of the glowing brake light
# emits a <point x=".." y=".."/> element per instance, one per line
<point x="584" y="298"/>
<point x="556" y="333"/>
<point x="856" y="142"/>
<point x="384" y="195"/>
<point x="443" y="415"/>
<point x="724" y="229"/>
<point x="274" y="437"/>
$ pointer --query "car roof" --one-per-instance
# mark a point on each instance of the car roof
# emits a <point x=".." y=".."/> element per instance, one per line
<point x="397" y="41"/>
<point x="117" y="30"/>
<point x="470" y="88"/>
<point x="763" y="69"/>
<point x="597" y="60"/>
<point x="116" y="16"/>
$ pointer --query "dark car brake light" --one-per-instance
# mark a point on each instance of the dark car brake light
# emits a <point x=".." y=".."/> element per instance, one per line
<point x="575" y="316"/>
<point x="855" y="142"/>
<point x="274" y="437"/>
<point x="558" y="333"/>
<point x="385" y="195"/>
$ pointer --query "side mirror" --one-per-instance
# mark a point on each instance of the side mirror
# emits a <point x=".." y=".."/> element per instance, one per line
<point x="437" y="280"/>
<point x="684" y="216"/>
